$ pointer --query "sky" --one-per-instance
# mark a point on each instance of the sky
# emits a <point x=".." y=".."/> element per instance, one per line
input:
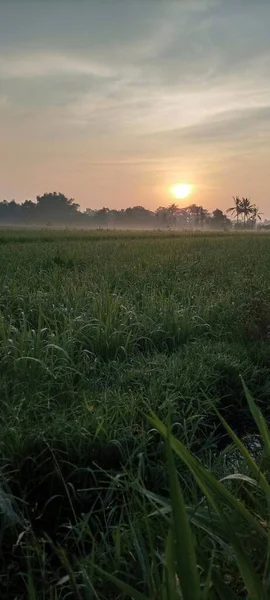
<point x="112" y="102"/>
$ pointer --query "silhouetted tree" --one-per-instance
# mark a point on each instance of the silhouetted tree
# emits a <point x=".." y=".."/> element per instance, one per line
<point x="236" y="209"/>
<point x="162" y="216"/>
<point x="173" y="212"/>
<point x="139" y="215"/>
<point x="101" y="217"/>
<point x="56" y="208"/>
<point x="219" y="220"/>
<point x="252" y="219"/>
<point x="10" y="212"/>
<point x="28" y="209"/>
<point x="89" y="212"/>
<point x="197" y="215"/>
<point x="247" y="208"/>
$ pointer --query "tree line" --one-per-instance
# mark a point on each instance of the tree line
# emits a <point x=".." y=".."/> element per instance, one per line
<point x="56" y="209"/>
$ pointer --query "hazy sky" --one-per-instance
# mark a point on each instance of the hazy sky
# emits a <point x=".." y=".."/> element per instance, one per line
<point x="114" y="101"/>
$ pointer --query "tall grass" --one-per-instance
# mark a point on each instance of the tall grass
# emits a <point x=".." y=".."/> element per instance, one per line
<point x="218" y="547"/>
<point x="96" y="330"/>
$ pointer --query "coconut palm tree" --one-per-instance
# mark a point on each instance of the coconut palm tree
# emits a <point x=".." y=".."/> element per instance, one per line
<point x="255" y="214"/>
<point x="236" y="209"/>
<point x="247" y="208"/>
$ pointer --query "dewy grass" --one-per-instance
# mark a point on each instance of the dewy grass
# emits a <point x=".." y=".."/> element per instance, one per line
<point x="231" y="526"/>
<point x="96" y="330"/>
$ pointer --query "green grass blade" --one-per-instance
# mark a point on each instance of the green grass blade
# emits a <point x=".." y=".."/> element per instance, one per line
<point x="251" y="579"/>
<point x="170" y="592"/>
<point x="139" y="545"/>
<point x="213" y="489"/>
<point x="122" y="585"/>
<point x="209" y="522"/>
<point x="207" y="584"/>
<point x="258" y="418"/>
<point x="222" y="591"/>
<point x="257" y="473"/>
<point x="186" y="564"/>
<point x="266" y="575"/>
<point x="30" y="584"/>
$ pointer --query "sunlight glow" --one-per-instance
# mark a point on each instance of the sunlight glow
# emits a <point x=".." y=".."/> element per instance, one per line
<point x="181" y="190"/>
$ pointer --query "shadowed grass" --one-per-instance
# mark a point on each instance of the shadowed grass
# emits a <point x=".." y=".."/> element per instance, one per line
<point x="237" y="535"/>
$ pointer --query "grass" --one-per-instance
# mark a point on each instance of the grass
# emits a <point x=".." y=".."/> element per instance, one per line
<point x="97" y="329"/>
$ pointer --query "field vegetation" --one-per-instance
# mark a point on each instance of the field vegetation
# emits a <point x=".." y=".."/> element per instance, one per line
<point x="98" y="332"/>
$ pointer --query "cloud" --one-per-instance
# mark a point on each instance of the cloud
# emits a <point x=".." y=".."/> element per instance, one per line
<point x="50" y="64"/>
<point x="230" y="126"/>
<point x="127" y="105"/>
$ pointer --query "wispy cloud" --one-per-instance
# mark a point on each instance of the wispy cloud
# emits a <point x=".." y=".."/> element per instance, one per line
<point x="49" y="64"/>
<point x="122" y="104"/>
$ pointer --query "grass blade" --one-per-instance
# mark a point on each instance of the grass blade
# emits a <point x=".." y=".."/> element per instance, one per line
<point x="186" y="564"/>
<point x="258" y="418"/>
<point x="257" y="473"/>
<point x="251" y="579"/>
<point x="211" y="487"/>
<point x="169" y="570"/>
<point x="122" y="585"/>
<point x="207" y="585"/>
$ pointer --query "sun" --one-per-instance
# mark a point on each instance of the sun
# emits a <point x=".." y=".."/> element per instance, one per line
<point x="181" y="190"/>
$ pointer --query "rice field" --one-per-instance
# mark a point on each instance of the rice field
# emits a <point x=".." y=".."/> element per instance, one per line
<point x="98" y="329"/>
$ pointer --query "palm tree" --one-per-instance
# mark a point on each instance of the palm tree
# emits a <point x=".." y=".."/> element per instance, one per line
<point x="255" y="214"/>
<point x="236" y="209"/>
<point x="247" y="208"/>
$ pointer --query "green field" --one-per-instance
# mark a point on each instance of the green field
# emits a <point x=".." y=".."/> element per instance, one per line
<point x="96" y="329"/>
